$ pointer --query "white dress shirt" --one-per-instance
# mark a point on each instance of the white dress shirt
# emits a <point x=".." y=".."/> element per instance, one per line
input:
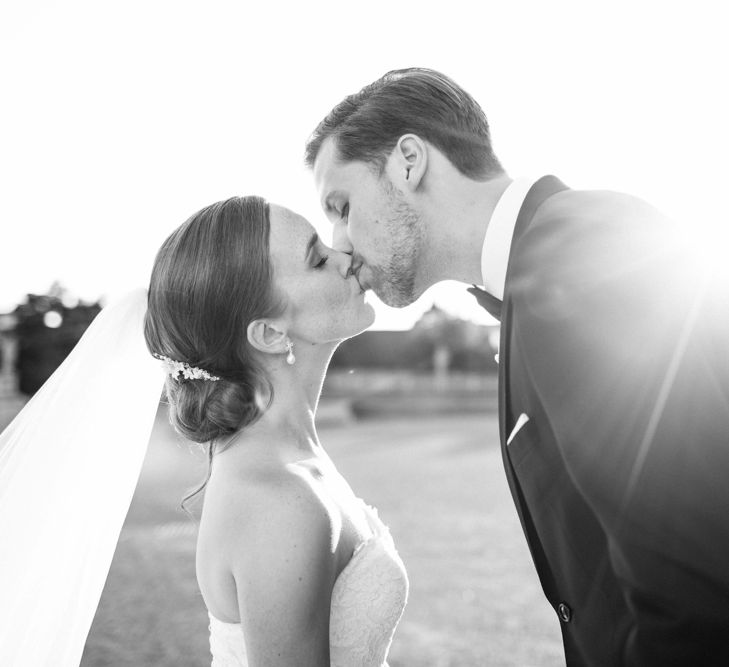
<point x="497" y="243"/>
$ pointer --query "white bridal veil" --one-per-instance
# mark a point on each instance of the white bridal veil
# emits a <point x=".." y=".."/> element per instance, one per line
<point x="69" y="463"/>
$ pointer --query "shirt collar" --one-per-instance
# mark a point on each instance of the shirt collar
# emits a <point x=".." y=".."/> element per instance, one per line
<point x="497" y="242"/>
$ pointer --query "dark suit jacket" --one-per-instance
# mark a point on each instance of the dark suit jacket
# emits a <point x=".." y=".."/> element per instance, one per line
<point x="615" y="343"/>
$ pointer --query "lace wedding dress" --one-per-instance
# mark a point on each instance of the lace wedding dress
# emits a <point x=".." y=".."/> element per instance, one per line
<point x="367" y="601"/>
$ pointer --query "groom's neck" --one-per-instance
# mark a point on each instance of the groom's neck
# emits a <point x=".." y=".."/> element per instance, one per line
<point x="462" y="212"/>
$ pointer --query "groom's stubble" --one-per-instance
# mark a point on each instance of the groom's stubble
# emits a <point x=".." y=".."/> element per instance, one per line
<point x="395" y="279"/>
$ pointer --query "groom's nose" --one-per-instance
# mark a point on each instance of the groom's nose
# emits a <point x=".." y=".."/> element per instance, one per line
<point x="340" y="239"/>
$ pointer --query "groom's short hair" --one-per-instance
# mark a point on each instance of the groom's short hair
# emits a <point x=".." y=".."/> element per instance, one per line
<point x="367" y="125"/>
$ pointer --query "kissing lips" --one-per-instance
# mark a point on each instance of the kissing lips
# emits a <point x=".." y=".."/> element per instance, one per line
<point x="362" y="286"/>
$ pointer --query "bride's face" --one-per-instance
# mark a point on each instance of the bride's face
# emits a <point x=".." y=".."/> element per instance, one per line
<point x="324" y="302"/>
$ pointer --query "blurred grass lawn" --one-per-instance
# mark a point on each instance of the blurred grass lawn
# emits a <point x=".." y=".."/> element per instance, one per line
<point x="439" y="484"/>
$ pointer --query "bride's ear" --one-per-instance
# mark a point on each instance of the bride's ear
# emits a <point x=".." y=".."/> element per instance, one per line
<point x="267" y="336"/>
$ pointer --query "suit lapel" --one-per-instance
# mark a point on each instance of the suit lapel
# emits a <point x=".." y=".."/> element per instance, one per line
<point x="540" y="191"/>
<point x="544" y="188"/>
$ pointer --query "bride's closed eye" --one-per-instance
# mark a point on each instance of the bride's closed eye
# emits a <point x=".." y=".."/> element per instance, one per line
<point x="313" y="254"/>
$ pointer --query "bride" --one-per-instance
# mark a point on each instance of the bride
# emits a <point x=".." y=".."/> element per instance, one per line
<point x="245" y="308"/>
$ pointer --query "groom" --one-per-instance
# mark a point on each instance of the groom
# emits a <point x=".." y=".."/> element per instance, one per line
<point x="614" y="360"/>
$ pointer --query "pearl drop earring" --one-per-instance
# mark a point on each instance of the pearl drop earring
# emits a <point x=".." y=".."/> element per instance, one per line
<point x="290" y="358"/>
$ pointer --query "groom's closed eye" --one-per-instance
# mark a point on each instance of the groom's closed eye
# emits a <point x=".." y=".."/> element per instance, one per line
<point x="333" y="205"/>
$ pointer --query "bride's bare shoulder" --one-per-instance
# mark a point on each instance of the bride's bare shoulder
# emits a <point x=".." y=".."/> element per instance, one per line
<point x="268" y="506"/>
<point x="268" y="537"/>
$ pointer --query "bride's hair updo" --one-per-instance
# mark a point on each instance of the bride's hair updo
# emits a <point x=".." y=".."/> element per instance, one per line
<point x="211" y="278"/>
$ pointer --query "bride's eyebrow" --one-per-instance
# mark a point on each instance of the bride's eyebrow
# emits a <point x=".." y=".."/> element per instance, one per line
<point x="310" y="244"/>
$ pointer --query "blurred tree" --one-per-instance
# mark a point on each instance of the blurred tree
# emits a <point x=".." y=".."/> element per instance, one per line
<point x="11" y="402"/>
<point x="48" y="327"/>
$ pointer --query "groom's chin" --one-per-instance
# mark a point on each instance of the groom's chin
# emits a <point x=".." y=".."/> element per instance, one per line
<point x="396" y="298"/>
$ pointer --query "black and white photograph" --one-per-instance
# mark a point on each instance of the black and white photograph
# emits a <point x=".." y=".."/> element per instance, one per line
<point x="364" y="334"/>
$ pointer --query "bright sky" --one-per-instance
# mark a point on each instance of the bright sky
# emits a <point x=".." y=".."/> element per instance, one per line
<point x="120" y="120"/>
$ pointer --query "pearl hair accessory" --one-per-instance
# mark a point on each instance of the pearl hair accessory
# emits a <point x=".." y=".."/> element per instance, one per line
<point x="290" y="358"/>
<point x="175" y="368"/>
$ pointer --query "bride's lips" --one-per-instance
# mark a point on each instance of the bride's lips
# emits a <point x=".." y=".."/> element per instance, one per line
<point x="363" y="287"/>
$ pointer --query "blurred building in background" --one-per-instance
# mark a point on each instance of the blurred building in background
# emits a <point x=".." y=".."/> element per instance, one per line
<point x="438" y="343"/>
<point x="443" y="365"/>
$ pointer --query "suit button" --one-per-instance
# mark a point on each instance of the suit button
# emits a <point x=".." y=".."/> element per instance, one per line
<point x="564" y="612"/>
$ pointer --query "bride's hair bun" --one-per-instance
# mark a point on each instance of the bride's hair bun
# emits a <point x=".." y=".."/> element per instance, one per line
<point x="211" y="278"/>
<point x="209" y="411"/>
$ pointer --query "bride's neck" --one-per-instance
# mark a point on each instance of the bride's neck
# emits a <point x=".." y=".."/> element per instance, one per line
<point x="296" y="392"/>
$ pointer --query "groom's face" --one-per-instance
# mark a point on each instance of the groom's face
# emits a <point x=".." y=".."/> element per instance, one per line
<point x="374" y="222"/>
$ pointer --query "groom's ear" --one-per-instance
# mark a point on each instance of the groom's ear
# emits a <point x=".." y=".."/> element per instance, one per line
<point x="267" y="336"/>
<point x="409" y="161"/>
